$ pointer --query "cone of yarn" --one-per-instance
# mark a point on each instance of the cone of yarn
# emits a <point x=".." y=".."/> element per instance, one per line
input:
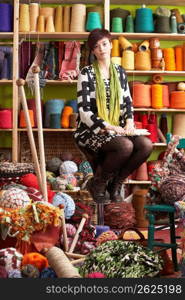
<point x="67" y="18"/>
<point x="50" y="24"/>
<point x="78" y="18"/>
<point x="129" y="27"/>
<point x="93" y="21"/>
<point x="177" y="99"/>
<point x="22" y="121"/>
<point x="142" y="60"/>
<point x="41" y="24"/>
<point x="116" y="60"/>
<point x="127" y="60"/>
<point x="144" y="46"/>
<point x="157" y="78"/>
<point x="144" y="120"/>
<point x="53" y="106"/>
<point x="157" y="96"/>
<point x="135" y="47"/>
<point x="117" y="25"/>
<point x="55" y="121"/>
<point x="96" y="8"/>
<point x="124" y="43"/>
<point x="67" y="111"/>
<point x="59" y="18"/>
<point x="34" y="13"/>
<point x="169" y="58"/>
<point x="115" y="48"/>
<point x="138" y="125"/>
<point x="47" y="11"/>
<point x="173" y="24"/>
<point x="144" y="20"/>
<point x="6" y="17"/>
<point x="142" y="173"/>
<point x="6" y="118"/>
<point x="139" y="200"/>
<point x="166" y="96"/>
<point x="24" y="18"/>
<point x="152" y="128"/>
<point x="141" y="94"/>
<point x="179" y="58"/>
<point x="120" y="13"/>
<point x="162" y="24"/>
<point x="179" y="124"/>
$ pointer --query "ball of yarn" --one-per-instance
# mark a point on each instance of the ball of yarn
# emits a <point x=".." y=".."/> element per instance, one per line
<point x="14" y="198"/>
<point x="10" y="258"/>
<point x="71" y="230"/>
<point x="181" y="86"/>
<point x="66" y="156"/>
<point x="85" y="167"/>
<point x="3" y="272"/>
<point x="48" y="273"/>
<point x="106" y="236"/>
<point x="68" y="167"/>
<point x="53" y="164"/>
<point x="95" y="275"/>
<point x="30" y="271"/>
<point x="67" y="201"/>
<point x="14" y="274"/>
<point x="30" y="180"/>
<point x="36" y="259"/>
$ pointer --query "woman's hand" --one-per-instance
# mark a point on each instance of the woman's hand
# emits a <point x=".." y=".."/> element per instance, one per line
<point x="129" y="127"/>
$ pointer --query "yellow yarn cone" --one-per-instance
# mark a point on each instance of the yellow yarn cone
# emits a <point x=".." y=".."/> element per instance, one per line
<point x="24" y="18"/>
<point x="34" y="13"/>
<point x="49" y="24"/>
<point x="41" y="24"/>
<point x="59" y="19"/>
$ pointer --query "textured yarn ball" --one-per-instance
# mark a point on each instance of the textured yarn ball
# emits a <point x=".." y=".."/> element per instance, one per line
<point x="30" y="180"/>
<point x="67" y="201"/>
<point x="95" y="275"/>
<point x="53" y="164"/>
<point x="14" y="274"/>
<point x="14" y="198"/>
<point x="30" y="271"/>
<point x="68" y="167"/>
<point x="36" y="259"/>
<point x="106" y="236"/>
<point x="10" y="258"/>
<point x="48" y="273"/>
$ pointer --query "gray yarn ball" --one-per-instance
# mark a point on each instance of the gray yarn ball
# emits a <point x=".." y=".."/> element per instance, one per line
<point x="53" y="164"/>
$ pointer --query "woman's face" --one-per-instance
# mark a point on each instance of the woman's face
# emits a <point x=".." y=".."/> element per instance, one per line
<point x="102" y="49"/>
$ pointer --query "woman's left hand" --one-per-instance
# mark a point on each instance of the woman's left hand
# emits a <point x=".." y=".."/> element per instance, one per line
<point x="129" y="127"/>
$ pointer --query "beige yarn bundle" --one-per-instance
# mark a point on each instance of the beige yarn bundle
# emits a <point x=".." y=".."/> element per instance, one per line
<point x="24" y="18"/>
<point x="143" y="60"/>
<point x="78" y="18"/>
<point x="127" y="60"/>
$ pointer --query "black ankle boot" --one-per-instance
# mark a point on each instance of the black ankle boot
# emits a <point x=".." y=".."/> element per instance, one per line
<point x="114" y="189"/>
<point x="97" y="189"/>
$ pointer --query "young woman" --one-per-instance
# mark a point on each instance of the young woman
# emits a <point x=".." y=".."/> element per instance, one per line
<point x="105" y="121"/>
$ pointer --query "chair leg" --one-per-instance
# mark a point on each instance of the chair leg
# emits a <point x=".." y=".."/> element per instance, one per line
<point x="173" y="241"/>
<point x="151" y="230"/>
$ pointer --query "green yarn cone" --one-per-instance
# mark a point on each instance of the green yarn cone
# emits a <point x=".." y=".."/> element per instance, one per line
<point x="129" y="27"/>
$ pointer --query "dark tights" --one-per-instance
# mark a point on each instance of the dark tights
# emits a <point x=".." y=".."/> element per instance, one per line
<point x="122" y="155"/>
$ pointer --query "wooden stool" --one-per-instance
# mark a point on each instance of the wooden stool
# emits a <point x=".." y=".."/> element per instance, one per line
<point x="170" y="210"/>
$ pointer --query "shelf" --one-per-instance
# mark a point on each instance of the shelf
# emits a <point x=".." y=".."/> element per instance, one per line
<point x="137" y="182"/>
<point x="149" y="2"/>
<point x="61" y="82"/>
<point x="143" y="36"/>
<point x="65" y="1"/>
<point x="159" y="110"/>
<point x="50" y="129"/>
<point x="2" y="129"/>
<point x="5" y="81"/>
<point x="159" y="144"/>
<point x="6" y="35"/>
<point x="54" y="35"/>
<point x="150" y="72"/>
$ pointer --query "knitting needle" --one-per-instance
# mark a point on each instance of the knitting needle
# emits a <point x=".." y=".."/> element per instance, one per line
<point x="64" y="231"/>
<point x="36" y="71"/>
<point x="80" y="227"/>
<point x="20" y="84"/>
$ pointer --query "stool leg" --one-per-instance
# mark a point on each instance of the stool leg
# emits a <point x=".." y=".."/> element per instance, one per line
<point x="151" y="230"/>
<point x="100" y="213"/>
<point x="173" y="241"/>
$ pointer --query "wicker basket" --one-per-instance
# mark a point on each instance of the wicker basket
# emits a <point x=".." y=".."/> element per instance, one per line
<point x="10" y="169"/>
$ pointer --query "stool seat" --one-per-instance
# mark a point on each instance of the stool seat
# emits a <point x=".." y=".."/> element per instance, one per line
<point x="170" y="210"/>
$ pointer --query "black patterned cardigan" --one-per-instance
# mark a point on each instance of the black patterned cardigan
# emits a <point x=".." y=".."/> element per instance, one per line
<point x="88" y="121"/>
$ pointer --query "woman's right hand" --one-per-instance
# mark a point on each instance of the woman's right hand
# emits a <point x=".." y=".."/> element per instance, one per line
<point x="116" y="129"/>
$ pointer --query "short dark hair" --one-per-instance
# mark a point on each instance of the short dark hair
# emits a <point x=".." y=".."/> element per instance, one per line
<point x="96" y="35"/>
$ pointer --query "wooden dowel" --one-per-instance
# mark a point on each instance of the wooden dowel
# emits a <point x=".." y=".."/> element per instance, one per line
<point x="74" y="255"/>
<point x="64" y="231"/>
<point x="77" y="261"/>
<point x="20" y="83"/>
<point x="36" y="71"/>
<point x="80" y="227"/>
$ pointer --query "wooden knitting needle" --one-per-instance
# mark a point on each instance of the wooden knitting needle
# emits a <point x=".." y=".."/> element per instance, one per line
<point x="20" y="84"/>
<point x="36" y="71"/>
<point x="64" y="231"/>
<point x="80" y="227"/>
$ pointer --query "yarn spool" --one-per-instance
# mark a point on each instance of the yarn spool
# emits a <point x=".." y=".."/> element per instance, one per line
<point x="34" y="13"/>
<point x="156" y="56"/>
<point x="78" y="18"/>
<point x="144" y="46"/>
<point x="47" y="11"/>
<point x="129" y="27"/>
<point x="141" y="173"/>
<point x="157" y="78"/>
<point x="59" y="262"/>
<point x="179" y="58"/>
<point x="96" y="8"/>
<point x="173" y="24"/>
<point x="58" y="21"/>
<point x="115" y="48"/>
<point x="117" y="25"/>
<point x="143" y="60"/>
<point x="124" y="43"/>
<point x="93" y="21"/>
<point x="22" y="120"/>
<point x="157" y="96"/>
<point x="41" y="24"/>
<point x="119" y="13"/>
<point x="67" y="18"/>
<point x="6" y="17"/>
<point x="169" y="58"/>
<point x="139" y="200"/>
<point x="154" y="43"/>
<point x="24" y="18"/>
<point x="67" y="111"/>
<point x="53" y="106"/>
<point x="179" y="124"/>
<point x="166" y="96"/>
<point x="50" y="24"/>
<point x="141" y="95"/>
<point x="127" y="60"/>
<point x="152" y="128"/>
<point x="162" y="24"/>
<point x="177" y="99"/>
<point x="6" y="118"/>
<point x="55" y="121"/>
<point x="144" y="20"/>
<point x="116" y="60"/>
